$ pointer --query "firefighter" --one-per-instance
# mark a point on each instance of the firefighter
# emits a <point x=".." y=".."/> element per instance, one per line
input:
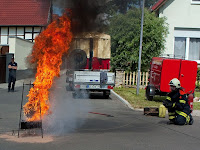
<point x="177" y="104"/>
<point x="12" y="66"/>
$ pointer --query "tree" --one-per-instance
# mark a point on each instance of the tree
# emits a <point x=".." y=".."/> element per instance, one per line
<point x="122" y="6"/>
<point x="125" y="34"/>
<point x="149" y="3"/>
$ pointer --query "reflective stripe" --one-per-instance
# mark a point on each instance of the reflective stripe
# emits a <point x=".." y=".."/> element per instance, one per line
<point x="171" y="113"/>
<point x="188" y="119"/>
<point x="171" y="117"/>
<point x="181" y="113"/>
<point x="182" y="101"/>
<point x="173" y="104"/>
<point x="168" y="98"/>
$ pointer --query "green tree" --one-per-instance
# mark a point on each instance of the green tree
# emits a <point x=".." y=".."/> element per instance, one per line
<point x="122" y="6"/>
<point x="125" y="34"/>
<point x="149" y="3"/>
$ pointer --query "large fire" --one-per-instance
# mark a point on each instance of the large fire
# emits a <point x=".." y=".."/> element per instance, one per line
<point x="47" y="53"/>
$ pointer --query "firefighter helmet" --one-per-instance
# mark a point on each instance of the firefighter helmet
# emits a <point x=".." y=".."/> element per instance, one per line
<point x="175" y="82"/>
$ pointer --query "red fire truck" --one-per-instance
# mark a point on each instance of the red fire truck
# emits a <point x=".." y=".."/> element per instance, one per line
<point x="162" y="70"/>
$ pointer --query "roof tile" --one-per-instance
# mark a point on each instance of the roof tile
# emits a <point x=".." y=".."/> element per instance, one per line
<point x="158" y="4"/>
<point x="24" y="12"/>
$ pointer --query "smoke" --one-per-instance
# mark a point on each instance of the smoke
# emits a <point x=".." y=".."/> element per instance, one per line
<point x="86" y="14"/>
<point x="67" y="113"/>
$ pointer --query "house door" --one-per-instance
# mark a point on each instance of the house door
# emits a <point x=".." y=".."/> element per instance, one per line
<point x="4" y="50"/>
<point x="2" y="68"/>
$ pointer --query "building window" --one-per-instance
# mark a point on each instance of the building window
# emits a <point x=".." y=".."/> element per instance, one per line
<point x="20" y="32"/>
<point x="179" y="47"/>
<point x="187" y="48"/>
<point x="28" y="33"/>
<point x="195" y="1"/>
<point x="187" y="43"/>
<point x="4" y="35"/>
<point x="194" y="49"/>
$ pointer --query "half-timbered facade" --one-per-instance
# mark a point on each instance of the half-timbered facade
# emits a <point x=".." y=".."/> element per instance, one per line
<point x="24" y="19"/>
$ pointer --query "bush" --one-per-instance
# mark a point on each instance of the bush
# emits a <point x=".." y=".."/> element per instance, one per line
<point x="198" y="79"/>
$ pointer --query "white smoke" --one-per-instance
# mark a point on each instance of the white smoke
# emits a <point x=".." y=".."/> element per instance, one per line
<point x="67" y="113"/>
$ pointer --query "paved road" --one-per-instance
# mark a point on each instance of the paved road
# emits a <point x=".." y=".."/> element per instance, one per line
<point x="72" y="126"/>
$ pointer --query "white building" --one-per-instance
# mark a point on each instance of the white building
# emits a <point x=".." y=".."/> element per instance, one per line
<point x="20" y="22"/>
<point x="183" y="40"/>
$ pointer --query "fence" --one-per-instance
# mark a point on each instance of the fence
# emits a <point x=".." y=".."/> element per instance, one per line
<point x="130" y="79"/>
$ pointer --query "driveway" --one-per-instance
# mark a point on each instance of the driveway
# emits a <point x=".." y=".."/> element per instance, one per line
<point x="91" y="123"/>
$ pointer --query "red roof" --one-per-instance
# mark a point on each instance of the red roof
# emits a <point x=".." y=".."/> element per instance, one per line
<point x="157" y="5"/>
<point x="24" y="12"/>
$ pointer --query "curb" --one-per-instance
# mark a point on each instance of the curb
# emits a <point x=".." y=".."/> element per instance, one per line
<point x="194" y="113"/>
<point x="122" y="100"/>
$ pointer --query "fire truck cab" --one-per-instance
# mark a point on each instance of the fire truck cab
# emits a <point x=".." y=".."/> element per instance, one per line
<point x="162" y="70"/>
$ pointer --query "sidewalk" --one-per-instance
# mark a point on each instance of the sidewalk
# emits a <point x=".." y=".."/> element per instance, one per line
<point x="20" y="82"/>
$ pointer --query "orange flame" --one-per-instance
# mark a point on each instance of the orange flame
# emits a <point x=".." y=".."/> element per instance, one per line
<point x="47" y="52"/>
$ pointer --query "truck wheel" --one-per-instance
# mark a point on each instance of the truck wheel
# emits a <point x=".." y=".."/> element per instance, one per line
<point x="84" y="93"/>
<point x="76" y="94"/>
<point x="71" y="86"/>
<point x="106" y="94"/>
<point x="148" y="90"/>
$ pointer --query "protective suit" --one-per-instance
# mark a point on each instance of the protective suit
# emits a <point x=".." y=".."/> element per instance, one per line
<point x="177" y="104"/>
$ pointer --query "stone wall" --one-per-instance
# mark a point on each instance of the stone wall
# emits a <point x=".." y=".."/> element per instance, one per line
<point x="119" y="78"/>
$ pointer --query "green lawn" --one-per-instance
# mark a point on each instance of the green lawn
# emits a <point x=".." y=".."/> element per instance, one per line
<point x="197" y="104"/>
<point x="140" y="101"/>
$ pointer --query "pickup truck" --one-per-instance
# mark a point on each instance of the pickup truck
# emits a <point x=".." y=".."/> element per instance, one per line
<point x="88" y="64"/>
<point x="94" y="81"/>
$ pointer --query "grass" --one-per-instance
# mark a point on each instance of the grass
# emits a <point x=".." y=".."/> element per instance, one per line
<point x="140" y="101"/>
<point x="197" y="104"/>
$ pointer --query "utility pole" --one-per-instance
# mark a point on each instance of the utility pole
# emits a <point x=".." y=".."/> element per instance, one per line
<point x="140" y="51"/>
